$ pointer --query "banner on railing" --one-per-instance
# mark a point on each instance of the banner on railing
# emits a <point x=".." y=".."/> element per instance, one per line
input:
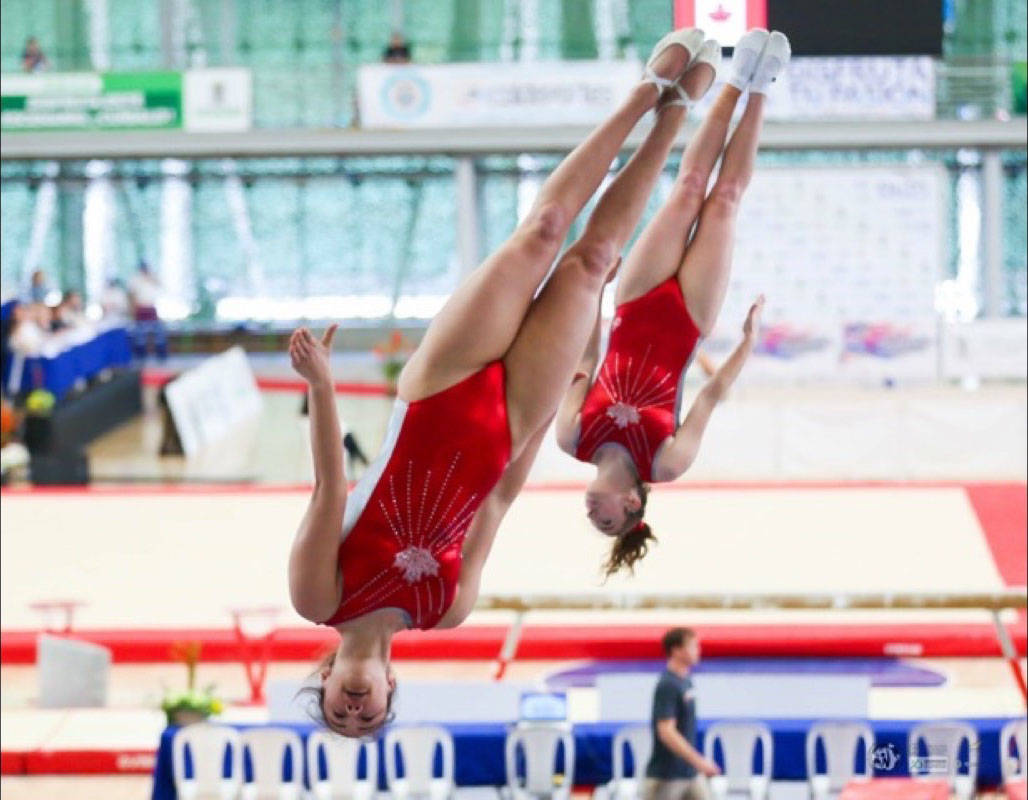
<point x="197" y="100"/>
<point x="492" y="95"/>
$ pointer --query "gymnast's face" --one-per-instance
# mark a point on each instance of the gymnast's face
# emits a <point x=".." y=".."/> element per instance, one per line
<point x="608" y="509"/>
<point x="357" y="694"/>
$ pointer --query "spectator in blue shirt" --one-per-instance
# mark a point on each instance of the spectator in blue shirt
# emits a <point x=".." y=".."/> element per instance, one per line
<point x="677" y="770"/>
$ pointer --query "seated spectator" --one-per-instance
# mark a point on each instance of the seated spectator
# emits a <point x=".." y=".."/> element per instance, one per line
<point x="32" y="57"/>
<point x="30" y="326"/>
<point x="69" y="313"/>
<point x="39" y="287"/>
<point x="115" y="300"/>
<point x="397" y="51"/>
<point x="144" y="291"/>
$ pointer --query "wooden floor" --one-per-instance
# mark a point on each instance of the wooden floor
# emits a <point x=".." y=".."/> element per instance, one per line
<point x="153" y="558"/>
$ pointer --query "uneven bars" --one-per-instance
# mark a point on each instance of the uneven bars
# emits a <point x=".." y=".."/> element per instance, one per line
<point x="1014" y="598"/>
<point x="986" y="601"/>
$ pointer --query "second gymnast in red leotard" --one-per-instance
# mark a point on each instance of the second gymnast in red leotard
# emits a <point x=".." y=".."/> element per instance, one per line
<point x="406" y="548"/>
<point x="626" y="419"/>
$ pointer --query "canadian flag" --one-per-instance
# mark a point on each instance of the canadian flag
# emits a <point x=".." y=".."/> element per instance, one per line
<point x="724" y="20"/>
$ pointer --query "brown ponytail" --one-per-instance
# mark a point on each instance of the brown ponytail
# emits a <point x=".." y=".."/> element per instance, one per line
<point x="632" y="543"/>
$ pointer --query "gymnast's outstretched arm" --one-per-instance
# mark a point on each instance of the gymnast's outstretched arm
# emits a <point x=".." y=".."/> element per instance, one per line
<point x="314" y="576"/>
<point x="681" y="452"/>
<point x="482" y="533"/>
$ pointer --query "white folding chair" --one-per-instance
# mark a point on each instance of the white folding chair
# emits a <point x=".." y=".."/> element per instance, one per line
<point x="639" y="740"/>
<point x="738" y="744"/>
<point x="1014" y="767"/>
<point x="418" y="744"/>
<point x="840" y="741"/>
<point x="267" y="748"/>
<point x="207" y="743"/>
<point x="940" y="757"/>
<point x="342" y="759"/>
<point x="539" y="744"/>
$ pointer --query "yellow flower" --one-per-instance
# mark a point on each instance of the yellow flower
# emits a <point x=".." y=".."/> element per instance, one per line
<point x="216" y="707"/>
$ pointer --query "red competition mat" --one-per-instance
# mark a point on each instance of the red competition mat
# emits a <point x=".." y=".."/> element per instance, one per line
<point x="559" y="642"/>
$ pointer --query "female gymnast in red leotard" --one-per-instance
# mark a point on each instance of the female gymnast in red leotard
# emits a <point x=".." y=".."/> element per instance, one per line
<point x="626" y="419"/>
<point x="406" y="548"/>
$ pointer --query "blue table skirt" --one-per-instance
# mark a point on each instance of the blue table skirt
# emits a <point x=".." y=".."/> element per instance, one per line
<point x="479" y="751"/>
<point x="110" y="348"/>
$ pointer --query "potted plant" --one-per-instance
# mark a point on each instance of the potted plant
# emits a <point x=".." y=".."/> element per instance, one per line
<point x="392" y="354"/>
<point x="192" y="705"/>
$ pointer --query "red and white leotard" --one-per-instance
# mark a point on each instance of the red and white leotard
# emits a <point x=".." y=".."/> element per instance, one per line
<point x="636" y="397"/>
<point x="406" y="519"/>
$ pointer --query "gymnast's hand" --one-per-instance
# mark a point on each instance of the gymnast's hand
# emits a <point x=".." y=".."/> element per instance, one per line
<point x="310" y="357"/>
<point x="752" y="323"/>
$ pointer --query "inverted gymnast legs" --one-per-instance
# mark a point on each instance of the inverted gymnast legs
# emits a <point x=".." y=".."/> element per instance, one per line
<point x="407" y="547"/>
<point x="626" y="421"/>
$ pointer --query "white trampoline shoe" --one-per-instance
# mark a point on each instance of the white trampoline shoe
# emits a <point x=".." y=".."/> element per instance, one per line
<point x="676" y="95"/>
<point x="746" y="57"/>
<point x="776" y="55"/>
<point x="689" y="39"/>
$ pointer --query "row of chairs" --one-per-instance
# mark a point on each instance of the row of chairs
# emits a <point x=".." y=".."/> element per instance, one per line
<point x="537" y="747"/>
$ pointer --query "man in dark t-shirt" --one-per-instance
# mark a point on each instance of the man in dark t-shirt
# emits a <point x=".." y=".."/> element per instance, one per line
<point x="677" y="770"/>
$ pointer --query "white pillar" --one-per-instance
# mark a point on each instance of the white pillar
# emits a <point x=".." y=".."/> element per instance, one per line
<point x="175" y="271"/>
<point x="99" y="35"/>
<point x="397" y="14"/>
<point x="42" y="218"/>
<point x="173" y="34"/>
<point x="529" y="30"/>
<point x="469" y="247"/>
<point x="969" y="241"/>
<point x="235" y="197"/>
<point x="227" y="32"/>
<point x="99" y="248"/>
<point x="604" y="28"/>
<point x="992" y="233"/>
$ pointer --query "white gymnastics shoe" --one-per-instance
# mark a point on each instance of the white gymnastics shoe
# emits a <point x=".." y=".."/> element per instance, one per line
<point x="689" y="39"/>
<point x="772" y="61"/>
<point x="747" y="56"/>
<point x="677" y="95"/>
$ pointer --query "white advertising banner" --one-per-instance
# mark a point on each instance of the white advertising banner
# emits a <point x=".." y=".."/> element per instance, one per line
<point x="864" y="87"/>
<point x="492" y="95"/>
<point x="848" y="258"/>
<point x="208" y="401"/>
<point x="845" y="88"/>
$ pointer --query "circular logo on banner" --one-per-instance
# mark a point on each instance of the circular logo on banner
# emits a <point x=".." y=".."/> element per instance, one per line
<point x="405" y="95"/>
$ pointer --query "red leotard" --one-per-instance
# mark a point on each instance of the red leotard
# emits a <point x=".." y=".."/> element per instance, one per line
<point x="407" y="517"/>
<point x="635" y="399"/>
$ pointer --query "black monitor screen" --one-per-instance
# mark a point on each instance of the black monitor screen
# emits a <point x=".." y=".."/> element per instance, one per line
<point x="859" y="27"/>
